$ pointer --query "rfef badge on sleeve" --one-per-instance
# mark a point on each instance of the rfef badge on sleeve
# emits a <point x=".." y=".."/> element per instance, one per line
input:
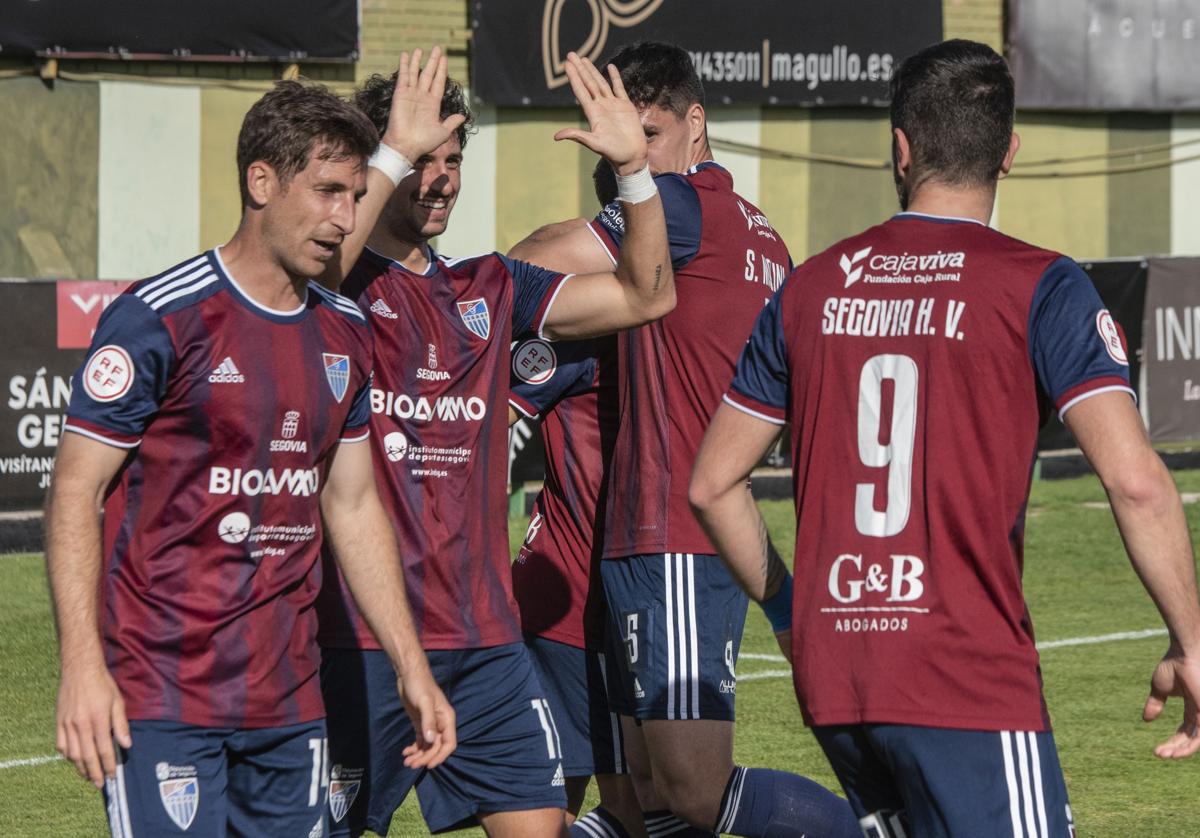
<point x="337" y="373"/>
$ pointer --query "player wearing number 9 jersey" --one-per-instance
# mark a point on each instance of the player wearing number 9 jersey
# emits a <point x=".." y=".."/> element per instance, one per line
<point x="914" y="364"/>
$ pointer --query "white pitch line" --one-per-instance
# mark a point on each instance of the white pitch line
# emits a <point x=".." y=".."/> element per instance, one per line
<point x="19" y="763"/>
<point x="1049" y="644"/>
<point x="765" y="674"/>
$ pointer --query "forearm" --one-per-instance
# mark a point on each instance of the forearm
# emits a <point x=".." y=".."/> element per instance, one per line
<point x="364" y="545"/>
<point x="737" y="529"/>
<point x="1150" y="517"/>
<point x="644" y="267"/>
<point x="73" y="560"/>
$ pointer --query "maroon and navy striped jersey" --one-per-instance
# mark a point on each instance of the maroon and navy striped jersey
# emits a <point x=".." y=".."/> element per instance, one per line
<point x="230" y="412"/>
<point x="915" y="363"/>
<point x="439" y="427"/>
<point x="675" y="370"/>
<point x="571" y="387"/>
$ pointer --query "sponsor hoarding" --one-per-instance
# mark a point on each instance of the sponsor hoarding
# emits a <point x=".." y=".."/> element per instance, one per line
<point x="770" y="51"/>
<point x="1171" y="351"/>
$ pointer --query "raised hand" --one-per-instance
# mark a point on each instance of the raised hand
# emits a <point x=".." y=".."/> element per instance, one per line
<point x="1176" y="675"/>
<point x="415" y="125"/>
<point x="615" y="130"/>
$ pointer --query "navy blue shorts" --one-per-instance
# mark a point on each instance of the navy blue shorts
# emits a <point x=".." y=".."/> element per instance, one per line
<point x="576" y="681"/>
<point x="180" y="779"/>
<point x="508" y="756"/>
<point x="675" y="623"/>
<point x="939" y="783"/>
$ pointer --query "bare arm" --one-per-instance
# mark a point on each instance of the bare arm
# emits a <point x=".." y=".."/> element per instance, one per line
<point x="1150" y="516"/>
<point x="364" y="544"/>
<point x="90" y="710"/>
<point x="414" y="128"/>
<point x="721" y="499"/>
<point x="642" y="287"/>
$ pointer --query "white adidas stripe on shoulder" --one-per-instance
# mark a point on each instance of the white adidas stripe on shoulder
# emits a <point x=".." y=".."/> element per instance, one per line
<point x="151" y="294"/>
<point x="338" y="301"/>
<point x="203" y="282"/>
<point x="173" y="273"/>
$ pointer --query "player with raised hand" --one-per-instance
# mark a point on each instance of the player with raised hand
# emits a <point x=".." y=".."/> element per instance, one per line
<point x="219" y="419"/>
<point x="675" y="614"/>
<point x="442" y="335"/>
<point x="914" y="363"/>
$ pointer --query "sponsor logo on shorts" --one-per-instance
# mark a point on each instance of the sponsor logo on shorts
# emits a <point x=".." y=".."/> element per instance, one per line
<point x="109" y="374"/>
<point x="1111" y="335"/>
<point x="234" y="527"/>
<point x="558" y="777"/>
<point x="318" y="830"/>
<point x="179" y="790"/>
<point x="344" y="784"/>
<point x="729" y="685"/>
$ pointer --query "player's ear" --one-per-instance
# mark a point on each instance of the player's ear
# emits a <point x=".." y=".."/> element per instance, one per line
<point x="1014" y="145"/>
<point x="695" y="119"/>
<point x="261" y="182"/>
<point x="902" y="152"/>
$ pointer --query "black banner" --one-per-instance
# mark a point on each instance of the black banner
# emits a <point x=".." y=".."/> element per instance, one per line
<point x="768" y="51"/>
<point x="1122" y="287"/>
<point x="230" y="30"/>
<point x="1106" y="54"/>
<point x="1172" y="349"/>
<point x="37" y="379"/>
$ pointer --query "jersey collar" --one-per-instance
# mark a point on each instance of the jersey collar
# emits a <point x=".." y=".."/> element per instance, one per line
<point x="249" y="302"/>
<point x="941" y="219"/>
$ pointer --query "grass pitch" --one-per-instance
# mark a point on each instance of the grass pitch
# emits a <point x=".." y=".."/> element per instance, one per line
<point x="1077" y="580"/>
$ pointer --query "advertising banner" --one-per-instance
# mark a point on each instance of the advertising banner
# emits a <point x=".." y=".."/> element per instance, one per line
<point x="36" y="375"/>
<point x="769" y="51"/>
<point x="1105" y="54"/>
<point x="1172" y="349"/>
<point x="221" y="30"/>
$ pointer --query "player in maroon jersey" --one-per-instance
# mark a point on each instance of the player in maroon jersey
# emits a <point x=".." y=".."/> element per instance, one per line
<point x="219" y="419"/>
<point x="443" y="331"/>
<point x="676" y="684"/>
<point x="914" y="363"/>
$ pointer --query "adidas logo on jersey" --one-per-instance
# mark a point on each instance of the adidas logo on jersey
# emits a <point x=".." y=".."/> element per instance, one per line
<point x="558" y="777"/>
<point x="226" y="373"/>
<point x="383" y="309"/>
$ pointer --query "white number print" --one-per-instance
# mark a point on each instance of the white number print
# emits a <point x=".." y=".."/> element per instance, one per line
<point x="897" y="455"/>
<point x="553" y="747"/>
<point x="320" y="770"/>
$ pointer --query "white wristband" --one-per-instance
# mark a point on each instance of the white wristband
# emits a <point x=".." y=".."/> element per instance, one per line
<point x="391" y="162"/>
<point x="638" y="187"/>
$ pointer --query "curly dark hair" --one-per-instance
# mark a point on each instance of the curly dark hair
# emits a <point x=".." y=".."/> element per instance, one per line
<point x="284" y="127"/>
<point x="374" y="99"/>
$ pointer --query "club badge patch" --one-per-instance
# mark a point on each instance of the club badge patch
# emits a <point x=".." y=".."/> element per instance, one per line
<point x="1110" y="333"/>
<point x="337" y="373"/>
<point x="179" y="790"/>
<point x="108" y="374"/>
<point x="344" y="784"/>
<point x="475" y="317"/>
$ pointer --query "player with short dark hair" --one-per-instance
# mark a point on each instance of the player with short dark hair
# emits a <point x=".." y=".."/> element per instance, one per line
<point x="914" y="363"/>
<point x="675" y="614"/>
<point x="219" y="423"/>
<point x="443" y="335"/>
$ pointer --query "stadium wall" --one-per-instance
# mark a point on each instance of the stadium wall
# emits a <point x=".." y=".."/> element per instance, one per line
<point x="114" y="169"/>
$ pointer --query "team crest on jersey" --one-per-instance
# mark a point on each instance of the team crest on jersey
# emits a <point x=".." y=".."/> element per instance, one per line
<point x="179" y="790"/>
<point x="344" y="784"/>
<point x="475" y="317"/>
<point x="337" y="373"/>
